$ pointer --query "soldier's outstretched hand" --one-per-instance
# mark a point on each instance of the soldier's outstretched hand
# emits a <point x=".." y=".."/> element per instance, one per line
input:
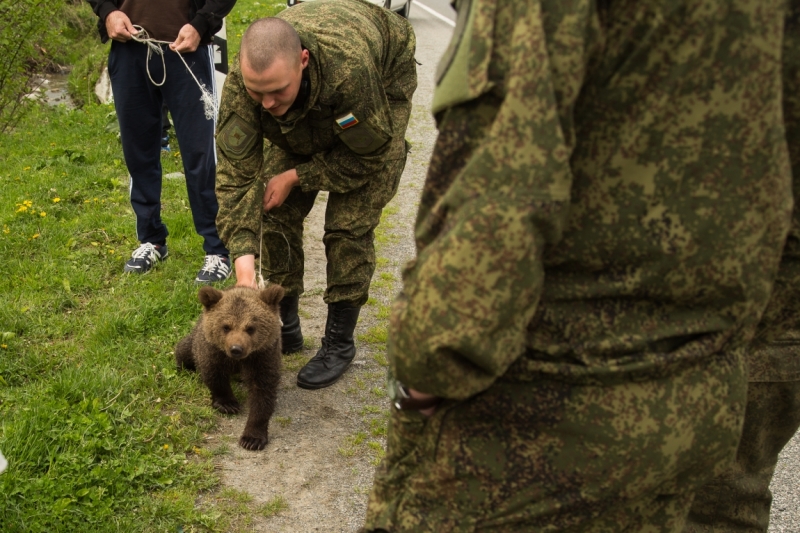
<point x="278" y="189"/>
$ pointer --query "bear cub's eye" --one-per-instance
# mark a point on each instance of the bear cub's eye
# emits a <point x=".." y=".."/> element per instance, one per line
<point x="250" y="330"/>
<point x="226" y="329"/>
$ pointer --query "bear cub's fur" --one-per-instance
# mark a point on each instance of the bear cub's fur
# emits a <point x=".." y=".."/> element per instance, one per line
<point x="238" y="331"/>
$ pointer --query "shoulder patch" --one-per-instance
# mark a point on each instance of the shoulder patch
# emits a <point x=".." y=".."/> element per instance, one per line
<point x="347" y="121"/>
<point x="236" y="137"/>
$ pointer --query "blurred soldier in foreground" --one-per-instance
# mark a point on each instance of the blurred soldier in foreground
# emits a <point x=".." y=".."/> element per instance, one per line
<point x="597" y="239"/>
<point x="329" y="84"/>
<point x="739" y="500"/>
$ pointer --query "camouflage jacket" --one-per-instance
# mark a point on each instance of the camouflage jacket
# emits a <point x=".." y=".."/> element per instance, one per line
<point x="626" y="209"/>
<point x="775" y="352"/>
<point x="361" y="65"/>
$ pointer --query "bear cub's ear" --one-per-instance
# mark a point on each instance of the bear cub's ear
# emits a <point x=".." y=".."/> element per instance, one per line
<point x="272" y="295"/>
<point x="209" y="296"/>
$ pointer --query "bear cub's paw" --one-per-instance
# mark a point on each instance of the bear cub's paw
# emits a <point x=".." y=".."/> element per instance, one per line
<point x="227" y="407"/>
<point x="249" y="442"/>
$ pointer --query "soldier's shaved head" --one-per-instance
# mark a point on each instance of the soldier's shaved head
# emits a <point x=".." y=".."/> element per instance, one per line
<point x="268" y="39"/>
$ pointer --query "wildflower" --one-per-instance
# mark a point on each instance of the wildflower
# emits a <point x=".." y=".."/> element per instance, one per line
<point x="56" y="200"/>
<point x="28" y="202"/>
<point x="21" y="208"/>
<point x="35" y="236"/>
<point x="166" y="446"/>
<point x="4" y="346"/>
<point x="42" y="214"/>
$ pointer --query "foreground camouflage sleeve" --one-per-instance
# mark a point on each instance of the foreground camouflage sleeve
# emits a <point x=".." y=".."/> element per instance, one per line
<point x="468" y="297"/>
<point x="774" y="354"/>
<point x="239" y="159"/>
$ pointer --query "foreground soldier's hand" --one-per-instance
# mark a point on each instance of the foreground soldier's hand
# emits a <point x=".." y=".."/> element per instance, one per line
<point x="188" y="40"/>
<point x="417" y="395"/>
<point x="119" y="26"/>
<point x="278" y="189"/>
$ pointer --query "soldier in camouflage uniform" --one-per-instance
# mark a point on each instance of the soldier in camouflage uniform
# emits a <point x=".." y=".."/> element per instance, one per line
<point x="740" y="499"/>
<point x="334" y="107"/>
<point x="597" y="239"/>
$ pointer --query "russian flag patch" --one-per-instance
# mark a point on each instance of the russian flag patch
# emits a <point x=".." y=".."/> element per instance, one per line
<point x="347" y="121"/>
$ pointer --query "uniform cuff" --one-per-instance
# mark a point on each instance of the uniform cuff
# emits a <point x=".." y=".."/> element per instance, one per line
<point x="244" y="243"/>
<point x="310" y="176"/>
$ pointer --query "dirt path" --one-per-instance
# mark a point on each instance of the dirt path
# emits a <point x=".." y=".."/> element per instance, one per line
<point x="324" y="445"/>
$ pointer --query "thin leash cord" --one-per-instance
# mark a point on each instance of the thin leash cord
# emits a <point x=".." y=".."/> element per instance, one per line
<point x="209" y="103"/>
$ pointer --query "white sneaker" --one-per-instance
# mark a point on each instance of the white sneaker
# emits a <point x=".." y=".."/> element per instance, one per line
<point x="145" y="257"/>
<point x="215" y="268"/>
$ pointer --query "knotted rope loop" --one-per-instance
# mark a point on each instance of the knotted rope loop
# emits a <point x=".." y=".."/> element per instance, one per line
<point x="154" y="45"/>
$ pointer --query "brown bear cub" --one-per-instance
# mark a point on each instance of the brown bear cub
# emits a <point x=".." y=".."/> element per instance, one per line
<point x="239" y="331"/>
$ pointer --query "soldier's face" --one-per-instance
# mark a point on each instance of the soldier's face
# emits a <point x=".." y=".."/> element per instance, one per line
<point x="276" y="87"/>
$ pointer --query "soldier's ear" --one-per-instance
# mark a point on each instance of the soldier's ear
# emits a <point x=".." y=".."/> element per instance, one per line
<point x="272" y="295"/>
<point x="209" y="296"/>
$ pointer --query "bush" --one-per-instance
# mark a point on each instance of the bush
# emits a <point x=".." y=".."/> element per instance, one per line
<point x="24" y="27"/>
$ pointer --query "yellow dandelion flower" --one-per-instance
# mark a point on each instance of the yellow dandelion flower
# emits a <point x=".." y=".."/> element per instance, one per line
<point x="42" y="214"/>
<point x="166" y="446"/>
<point x="4" y="346"/>
<point x="26" y="168"/>
<point x="22" y="208"/>
<point x="28" y="202"/>
<point x="56" y="200"/>
<point x="35" y="236"/>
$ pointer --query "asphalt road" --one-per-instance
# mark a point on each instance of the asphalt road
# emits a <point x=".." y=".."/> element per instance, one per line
<point x="433" y="21"/>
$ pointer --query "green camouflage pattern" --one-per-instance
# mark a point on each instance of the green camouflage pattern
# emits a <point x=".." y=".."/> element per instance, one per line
<point x="361" y="62"/>
<point x="739" y="500"/>
<point x="350" y="221"/>
<point x="598" y="237"/>
<point x="556" y="457"/>
<point x="776" y="349"/>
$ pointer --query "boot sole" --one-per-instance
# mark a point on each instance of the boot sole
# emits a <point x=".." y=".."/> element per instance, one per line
<point x="315" y="386"/>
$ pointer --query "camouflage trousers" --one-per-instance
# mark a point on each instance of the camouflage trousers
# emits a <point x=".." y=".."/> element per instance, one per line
<point x="555" y="456"/>
<point x="350" y="222"/>
<point x="739" y="500"/>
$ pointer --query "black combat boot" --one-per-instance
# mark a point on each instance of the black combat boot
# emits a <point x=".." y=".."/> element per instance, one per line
<point x="291" y="335"/>
<point x="338" y="349"/>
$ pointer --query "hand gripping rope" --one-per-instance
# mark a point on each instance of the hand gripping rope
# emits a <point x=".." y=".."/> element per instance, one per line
<point x="153" y="45"/>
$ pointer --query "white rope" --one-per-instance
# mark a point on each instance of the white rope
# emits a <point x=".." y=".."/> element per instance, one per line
<point x="153" y="45"/>
<point x="261" y="282"/>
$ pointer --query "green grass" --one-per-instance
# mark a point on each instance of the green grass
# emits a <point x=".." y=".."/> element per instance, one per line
<point x="101" y="432"/>
<point x="274" y="506"/>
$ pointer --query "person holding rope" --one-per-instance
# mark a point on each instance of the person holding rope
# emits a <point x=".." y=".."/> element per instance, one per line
<point x="329" y="84"/>
<point x="161" y="54"/>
